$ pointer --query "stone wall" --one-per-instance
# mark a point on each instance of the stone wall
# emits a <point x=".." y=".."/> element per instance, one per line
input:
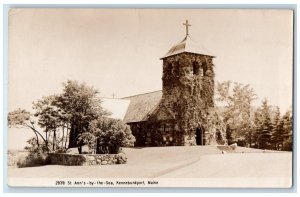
<point x="156" y="133"/>
<point x="86" y="159"/>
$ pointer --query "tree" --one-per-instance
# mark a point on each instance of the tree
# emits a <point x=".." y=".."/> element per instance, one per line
<point x="256" y="127"/>
<point x="229" y="135"/>
<point x="277" y="133"/>
<point x="237" y="99"/>
<point x="287" y="131"/>
<point x="107" y="135"/>
<point x="78" y="111"/>
<point x="265" y="127"/>
<point x="23" y="118"/>
<point x="81" y="105"/>
<point x="48" y="117"/>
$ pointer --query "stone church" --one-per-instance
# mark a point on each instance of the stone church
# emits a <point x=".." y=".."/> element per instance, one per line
<point x="183" y="113"/>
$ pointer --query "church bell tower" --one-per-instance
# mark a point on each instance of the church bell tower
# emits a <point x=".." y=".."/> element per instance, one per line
<point x="188" y="89"/>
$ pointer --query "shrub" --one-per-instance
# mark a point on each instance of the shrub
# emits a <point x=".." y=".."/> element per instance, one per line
<point x="61" y="150"/>
<point x="111" y="134"/>
<point x="241" y="141"/>
<point x="107" y="135"/>
<point x="288" y="145"/>
<point x="37" y="155"/>
<point x="34" y="159"/>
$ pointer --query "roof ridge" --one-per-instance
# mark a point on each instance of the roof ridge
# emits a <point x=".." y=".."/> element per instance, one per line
<point x="109" y="98"/>
<point x="188" y="44"/>
<point x="141" y="94"/>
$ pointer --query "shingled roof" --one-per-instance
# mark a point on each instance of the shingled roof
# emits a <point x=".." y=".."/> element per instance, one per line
<point x="141" y="106"/>
<point x="136" y="108"/>
<point x="187" y="45"/>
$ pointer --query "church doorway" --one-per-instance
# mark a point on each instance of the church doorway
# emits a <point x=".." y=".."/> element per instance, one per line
<point x="199" y="137"/>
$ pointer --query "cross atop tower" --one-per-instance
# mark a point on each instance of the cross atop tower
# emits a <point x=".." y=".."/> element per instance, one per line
<point x="187" y="27"/>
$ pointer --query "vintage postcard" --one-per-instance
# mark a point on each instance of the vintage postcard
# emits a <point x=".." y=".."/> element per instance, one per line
<point x="150" y="98"/>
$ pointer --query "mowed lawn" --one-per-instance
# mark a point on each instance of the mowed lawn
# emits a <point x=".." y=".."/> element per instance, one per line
<point x="175" y="162"/>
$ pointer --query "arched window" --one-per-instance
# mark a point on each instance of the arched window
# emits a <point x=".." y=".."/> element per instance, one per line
<point x="169" y="68"/>
<point x="204" y="67"/>
<point x="196" y="68"/>
<point x="175" y="69"/>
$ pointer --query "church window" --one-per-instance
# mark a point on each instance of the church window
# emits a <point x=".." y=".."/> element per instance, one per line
<point x="196" y="68"/>
<point x="204" y="68"/>
<point x="167" y="128"/>
<point x="176" y="69"/>
<point x="162" y="128"/>
<point x="169" y="68"/>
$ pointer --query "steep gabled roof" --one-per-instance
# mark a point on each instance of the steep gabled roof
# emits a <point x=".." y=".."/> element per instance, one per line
<point x="141" y="106"/>
<point x="187" y="45"/>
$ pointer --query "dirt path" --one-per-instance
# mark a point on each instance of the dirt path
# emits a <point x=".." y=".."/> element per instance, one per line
<point x="237" y="165"/>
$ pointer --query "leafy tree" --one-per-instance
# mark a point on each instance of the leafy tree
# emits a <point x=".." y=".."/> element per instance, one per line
<point x="22" y="118"/>
<point x="78" y="111"/>
<point x="237" y="99"/>
<point x="81" y="105"/>
<point x="53" y="120"/>
<point x="48" y="117"/>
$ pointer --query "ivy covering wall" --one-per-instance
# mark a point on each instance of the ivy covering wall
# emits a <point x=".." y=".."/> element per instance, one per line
<point x="186" y="105"/>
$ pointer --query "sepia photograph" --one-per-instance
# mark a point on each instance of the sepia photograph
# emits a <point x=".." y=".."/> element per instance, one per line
<point x="176" y="98"/>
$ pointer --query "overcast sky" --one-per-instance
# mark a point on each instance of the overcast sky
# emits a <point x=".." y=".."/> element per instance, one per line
<point x="117" y="51"/>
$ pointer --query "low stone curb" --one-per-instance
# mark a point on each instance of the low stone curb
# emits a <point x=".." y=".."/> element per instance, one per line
<point x="86" y="159"/>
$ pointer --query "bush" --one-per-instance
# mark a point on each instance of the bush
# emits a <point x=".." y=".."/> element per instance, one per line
<point x="241" y="141"/>
<point x="111" y="135"/>
<point x="37" y="155"/>
<point x="287" y="145"/>
<point x="34" y="159"/>
<point x="61" y="150"/>
<point x="107" y="135"/>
